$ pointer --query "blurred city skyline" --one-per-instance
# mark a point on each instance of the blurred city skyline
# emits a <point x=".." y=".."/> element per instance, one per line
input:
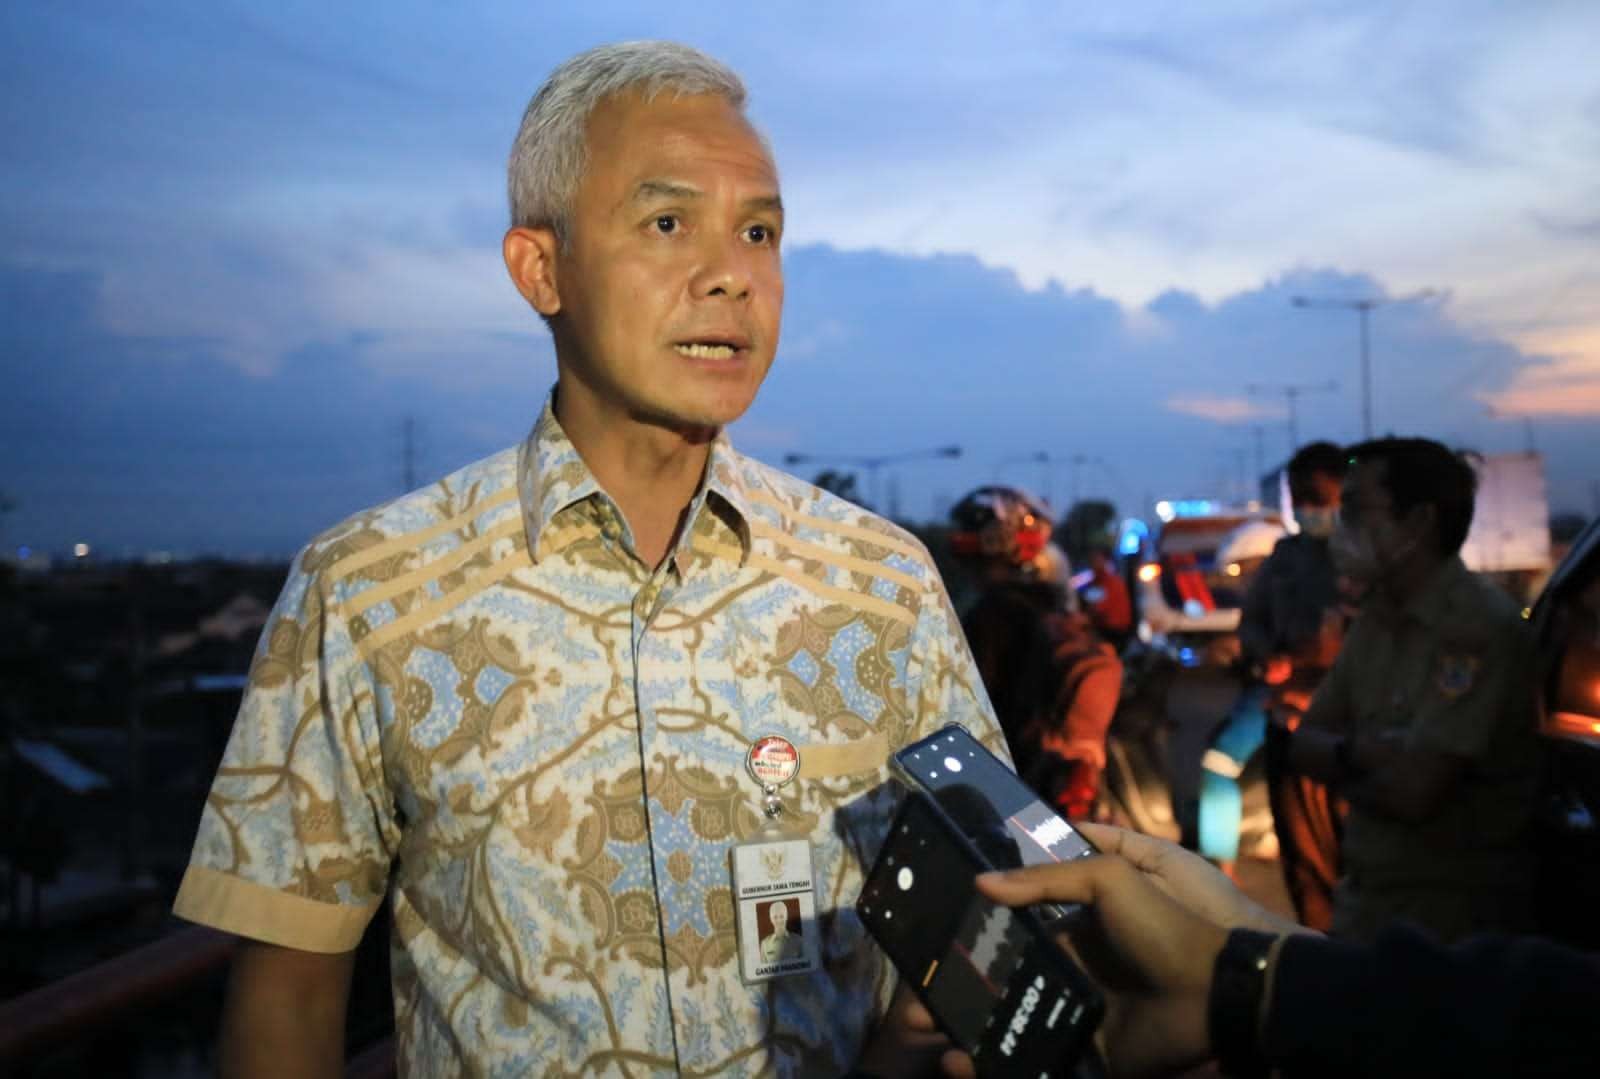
<point x="244" y="253"/>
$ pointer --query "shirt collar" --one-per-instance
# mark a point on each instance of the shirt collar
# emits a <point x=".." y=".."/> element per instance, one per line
<point x="551" y="478"/>
<point x="727" y="481"/>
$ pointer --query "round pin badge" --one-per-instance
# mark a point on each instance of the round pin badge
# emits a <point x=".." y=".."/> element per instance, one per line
<point x="773" y="761"/>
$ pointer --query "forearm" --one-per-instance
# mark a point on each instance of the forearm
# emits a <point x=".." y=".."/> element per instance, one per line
<point x="285" y="1014"/>
<point x="1379" y="776"/>
<point x="1408" y="1006"/>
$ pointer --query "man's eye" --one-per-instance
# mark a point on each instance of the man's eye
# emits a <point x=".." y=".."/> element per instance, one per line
<point x="666" y="224"/>
<point x="759" y="234"/>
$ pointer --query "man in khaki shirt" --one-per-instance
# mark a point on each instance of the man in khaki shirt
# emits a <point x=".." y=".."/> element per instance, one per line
<point x="1425" y="722"/>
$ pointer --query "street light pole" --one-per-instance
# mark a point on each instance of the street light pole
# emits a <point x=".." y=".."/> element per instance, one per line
<point x="1363" y="307"/>
<point x="1291" y="392"/>
<point x="872" y="464"/>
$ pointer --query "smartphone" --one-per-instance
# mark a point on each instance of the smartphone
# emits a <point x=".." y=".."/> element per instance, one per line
<point x="953" y="767"/>
<point x="993" y="978"/>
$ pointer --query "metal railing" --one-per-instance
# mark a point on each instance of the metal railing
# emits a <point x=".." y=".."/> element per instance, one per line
<point x="83" y="1004"/>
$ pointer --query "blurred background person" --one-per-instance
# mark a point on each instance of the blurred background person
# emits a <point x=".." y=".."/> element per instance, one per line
<point x="1106" y="599"/>
<point x="1053" y="682"/>
<point x="1426" y="721"/>
<point x="1290" y="628"/>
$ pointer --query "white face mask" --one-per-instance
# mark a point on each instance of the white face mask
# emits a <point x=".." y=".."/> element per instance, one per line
<point x="1317" y="521"/>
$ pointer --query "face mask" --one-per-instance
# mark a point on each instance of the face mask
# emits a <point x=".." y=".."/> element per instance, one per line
<point x="1316" y="521"/>
<point x="1367" y="558"/>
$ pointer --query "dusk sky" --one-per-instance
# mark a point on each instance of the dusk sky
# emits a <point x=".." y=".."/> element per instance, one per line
<point x="241" y="245"/>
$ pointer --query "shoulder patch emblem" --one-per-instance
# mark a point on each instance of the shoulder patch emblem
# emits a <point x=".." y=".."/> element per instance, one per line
<point x="1455" y="674"/>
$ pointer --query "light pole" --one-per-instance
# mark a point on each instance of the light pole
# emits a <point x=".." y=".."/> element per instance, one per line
<point x="1291" y="392"/>
<point x="872" y="464"/>
<point x="1082" y="459"/>
<point x="1363" y="307"/>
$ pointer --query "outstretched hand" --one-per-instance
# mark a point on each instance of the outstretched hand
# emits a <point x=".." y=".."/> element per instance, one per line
<point x="1160" y="917"/>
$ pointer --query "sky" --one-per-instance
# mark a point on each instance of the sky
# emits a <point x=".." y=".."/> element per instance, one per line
<point x="245" y="249"/>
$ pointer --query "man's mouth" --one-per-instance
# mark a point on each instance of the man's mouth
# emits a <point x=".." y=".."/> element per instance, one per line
<point x="710" y="349"/>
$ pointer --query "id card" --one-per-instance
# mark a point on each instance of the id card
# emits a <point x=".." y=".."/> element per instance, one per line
<point x="775" y="909"/>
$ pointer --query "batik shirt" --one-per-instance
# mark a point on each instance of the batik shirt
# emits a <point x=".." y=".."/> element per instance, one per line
<point x="480" y="701"/>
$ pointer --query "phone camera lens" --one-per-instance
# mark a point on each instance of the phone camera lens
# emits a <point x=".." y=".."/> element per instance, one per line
<point x="952" y="764"/>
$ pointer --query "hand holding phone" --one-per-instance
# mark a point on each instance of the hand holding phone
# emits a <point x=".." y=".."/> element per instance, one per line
<point x="991" y="976"/>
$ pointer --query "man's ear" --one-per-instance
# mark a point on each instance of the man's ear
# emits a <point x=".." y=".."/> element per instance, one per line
<point x="530" y="256"/>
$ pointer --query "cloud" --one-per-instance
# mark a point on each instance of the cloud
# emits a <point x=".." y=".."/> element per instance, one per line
<point x="1218" y="409"/>
<point x="1587" y="228"/>
<point x="158" y="443"/>
<point x="142" y="442"/>
<point x="244" y="239"/>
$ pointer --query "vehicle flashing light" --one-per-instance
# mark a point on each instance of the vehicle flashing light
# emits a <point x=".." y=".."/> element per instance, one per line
<point x="1149" y="572"/>
<point x="1187" y="507"/>
<point x="1132" y="535"/>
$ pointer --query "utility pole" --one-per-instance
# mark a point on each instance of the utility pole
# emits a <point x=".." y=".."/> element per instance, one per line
<point x="1364" y="308"/>
<point x="1292" y="391"/>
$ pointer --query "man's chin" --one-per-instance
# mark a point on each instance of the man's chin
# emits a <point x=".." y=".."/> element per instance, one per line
<point x="699" y="422"/>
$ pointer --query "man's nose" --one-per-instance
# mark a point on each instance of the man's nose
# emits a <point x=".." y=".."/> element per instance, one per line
<point x="725" y="269"/>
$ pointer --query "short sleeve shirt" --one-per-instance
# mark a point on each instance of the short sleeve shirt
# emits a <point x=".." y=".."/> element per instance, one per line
<point x="479" y="701"/>
<point x="1450" y="673"/>
<point x="1284" y="608"/>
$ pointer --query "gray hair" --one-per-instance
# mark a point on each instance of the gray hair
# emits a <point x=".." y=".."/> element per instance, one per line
<point x="548" y="156"/>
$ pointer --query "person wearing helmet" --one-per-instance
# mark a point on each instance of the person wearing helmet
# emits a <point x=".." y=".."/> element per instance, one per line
<point x="1106" y="598"/>
<point x="1053" y="682"/>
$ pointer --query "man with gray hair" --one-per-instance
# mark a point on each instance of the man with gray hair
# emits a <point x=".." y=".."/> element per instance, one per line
<point x="581" y="708"/>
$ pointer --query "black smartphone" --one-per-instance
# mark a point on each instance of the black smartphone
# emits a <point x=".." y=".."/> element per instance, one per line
<point x="993" y="978"/>
<point x="953" y="767"/>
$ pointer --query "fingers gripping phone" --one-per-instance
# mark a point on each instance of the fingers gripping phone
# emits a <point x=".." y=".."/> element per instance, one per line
<point x="993" y="978"/>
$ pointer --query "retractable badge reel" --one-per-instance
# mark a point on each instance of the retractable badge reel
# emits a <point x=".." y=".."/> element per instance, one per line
<point x="772" y="762"/>
<point x="774" y="886"/>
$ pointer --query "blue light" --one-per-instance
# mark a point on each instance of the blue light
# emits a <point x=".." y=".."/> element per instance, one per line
<point x="24" y="553"/>
<point x="1134" y="533"/>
